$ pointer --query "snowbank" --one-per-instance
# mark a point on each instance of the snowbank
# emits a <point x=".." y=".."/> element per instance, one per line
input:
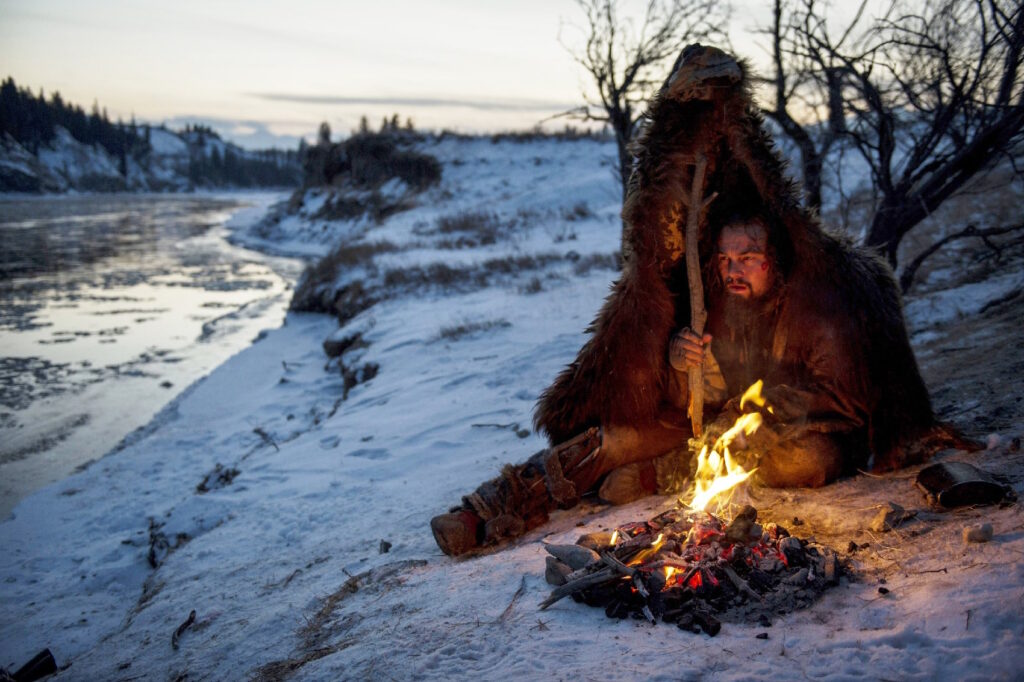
<point x="282" y="558"/>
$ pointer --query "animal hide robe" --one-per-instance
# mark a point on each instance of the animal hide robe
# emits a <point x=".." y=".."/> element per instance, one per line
<point x="621" y="375"/>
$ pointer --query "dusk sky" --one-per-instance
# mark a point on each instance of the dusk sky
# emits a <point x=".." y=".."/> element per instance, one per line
<point x="265" y="73"/>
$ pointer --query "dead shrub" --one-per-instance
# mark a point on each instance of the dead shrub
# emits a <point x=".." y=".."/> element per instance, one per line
<point x="580" y="211"/>
<point x="534" y="286"/>
<point x="600" y="261"/>
<point x="315" y="293"/>
<point x="469" y="328"/>
<point x="463" y="278"/>
<point x="469" y="228"/>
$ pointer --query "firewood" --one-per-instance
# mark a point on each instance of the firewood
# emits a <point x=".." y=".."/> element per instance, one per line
<point x="740" y="577"/>
<point x="612" y="562"/>
<point x="577" y="585"/>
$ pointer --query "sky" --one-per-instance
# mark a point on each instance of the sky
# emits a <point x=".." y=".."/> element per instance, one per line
<point x="265" y="73"/>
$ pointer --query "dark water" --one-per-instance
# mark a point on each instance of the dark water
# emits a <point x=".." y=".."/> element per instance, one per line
<point x="109" y="306"/>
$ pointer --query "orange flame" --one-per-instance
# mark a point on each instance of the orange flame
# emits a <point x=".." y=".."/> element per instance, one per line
<point x="717" y="471"/>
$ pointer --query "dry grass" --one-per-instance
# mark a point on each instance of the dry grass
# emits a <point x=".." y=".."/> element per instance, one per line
<point x="579" y="211"/>
<point x="470" y="328"/>
<point x="314" y="285"/>
<point x="468" y="229"/>
<point x="598" y="261"/>
<point x="464" y="278"/>
<point x="327" y="632"/>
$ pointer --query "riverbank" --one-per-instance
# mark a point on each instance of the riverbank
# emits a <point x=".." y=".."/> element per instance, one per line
<point x="110" y="305"/>
<point x="291" y="511"/>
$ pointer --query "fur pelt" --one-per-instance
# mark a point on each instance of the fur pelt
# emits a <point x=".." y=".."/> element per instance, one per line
<point x="620" y="375"/>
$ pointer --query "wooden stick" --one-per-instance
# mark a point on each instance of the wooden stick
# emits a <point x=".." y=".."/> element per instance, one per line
<point x="698" y="315"/>
<point x="613" y="562"/>
<point x="602" y="576"/>
<point x="181" y="629"/>
<point x="739" y="582"/>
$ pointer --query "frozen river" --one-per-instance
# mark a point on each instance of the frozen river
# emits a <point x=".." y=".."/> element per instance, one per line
<point x="109" y="307"/>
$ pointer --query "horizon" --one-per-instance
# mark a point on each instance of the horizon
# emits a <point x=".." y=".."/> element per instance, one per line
<point x="266" y="78"/>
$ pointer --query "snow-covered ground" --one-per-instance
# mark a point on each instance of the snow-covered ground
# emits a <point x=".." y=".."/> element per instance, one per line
<point x="260" y="497"/>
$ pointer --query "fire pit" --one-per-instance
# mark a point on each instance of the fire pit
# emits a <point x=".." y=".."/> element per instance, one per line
<point x="694" y="570"/>
<point x="693" y="567"/>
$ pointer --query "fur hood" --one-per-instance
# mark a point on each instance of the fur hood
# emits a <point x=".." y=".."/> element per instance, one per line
<point x="621" y="374"/>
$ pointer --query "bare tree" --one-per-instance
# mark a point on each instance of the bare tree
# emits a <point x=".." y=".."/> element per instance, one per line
<point x="930" y="94"/>
<point x="805" y="89"/>
<point x="627" y="59"/>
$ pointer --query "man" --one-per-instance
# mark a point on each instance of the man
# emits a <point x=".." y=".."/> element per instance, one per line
<point x="818" y="319"/>
<point x="808" y="440"/>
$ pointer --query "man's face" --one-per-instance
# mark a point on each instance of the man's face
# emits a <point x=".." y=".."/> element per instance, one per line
<point x="743" y="265"/>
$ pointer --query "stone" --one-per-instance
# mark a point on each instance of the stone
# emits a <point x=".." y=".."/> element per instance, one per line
<point x="556" y="572"/>
<point x="596" y="541"/>
<point x="830" y="569"/>
<point x="978" y="533"/>
<point x="890" y="515"/>
<point x="576" y="556"/>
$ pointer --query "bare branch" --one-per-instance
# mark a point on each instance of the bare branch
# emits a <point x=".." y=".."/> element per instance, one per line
<point x="907" y="276"/>
<point x="626" y="58"/>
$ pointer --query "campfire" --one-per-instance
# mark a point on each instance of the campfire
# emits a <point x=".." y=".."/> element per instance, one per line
<point x="694" y="567"/>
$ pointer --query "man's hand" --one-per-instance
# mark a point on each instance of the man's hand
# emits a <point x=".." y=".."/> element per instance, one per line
<point x="686" y="349"/>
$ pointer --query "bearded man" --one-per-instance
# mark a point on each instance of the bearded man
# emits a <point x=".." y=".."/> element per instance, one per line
<point x="814" y="432"/>
<point x="818" y="319"/>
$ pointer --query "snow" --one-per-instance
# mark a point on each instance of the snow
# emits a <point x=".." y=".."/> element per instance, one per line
<point x="166" y="143"/>
<point x="962" y="301"/>
<point x="283" y="564"/>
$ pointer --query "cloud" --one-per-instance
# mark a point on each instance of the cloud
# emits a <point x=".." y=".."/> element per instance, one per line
<point x="429" y="102"/>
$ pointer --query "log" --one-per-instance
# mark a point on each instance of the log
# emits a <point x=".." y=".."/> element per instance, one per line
<point x="602" y="576"/>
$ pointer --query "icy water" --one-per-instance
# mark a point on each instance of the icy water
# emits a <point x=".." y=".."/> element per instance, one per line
<point x="109" y="307"/>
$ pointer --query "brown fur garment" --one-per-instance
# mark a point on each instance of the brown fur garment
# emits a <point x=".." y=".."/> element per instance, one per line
<point x="621" y="374"/>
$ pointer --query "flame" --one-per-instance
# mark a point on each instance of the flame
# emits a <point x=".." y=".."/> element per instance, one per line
<point x="717" y="470"/>
<point x="753" y="395"/>
<point x="615" y="537"/>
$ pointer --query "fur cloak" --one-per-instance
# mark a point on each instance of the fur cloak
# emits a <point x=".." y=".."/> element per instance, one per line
<point x="621" y="375"/>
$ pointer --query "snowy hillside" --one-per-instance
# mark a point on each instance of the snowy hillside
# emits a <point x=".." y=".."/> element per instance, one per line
<point x="174" y="162"/>
<point x="286" y="497"/>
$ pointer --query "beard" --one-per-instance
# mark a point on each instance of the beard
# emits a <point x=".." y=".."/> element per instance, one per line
<point x="747" y="313"/>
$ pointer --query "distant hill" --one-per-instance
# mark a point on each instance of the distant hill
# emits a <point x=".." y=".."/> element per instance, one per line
<point x="48" y="145"/>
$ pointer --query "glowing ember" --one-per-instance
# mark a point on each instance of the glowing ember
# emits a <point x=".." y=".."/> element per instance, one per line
<point x="717" y="471"/>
